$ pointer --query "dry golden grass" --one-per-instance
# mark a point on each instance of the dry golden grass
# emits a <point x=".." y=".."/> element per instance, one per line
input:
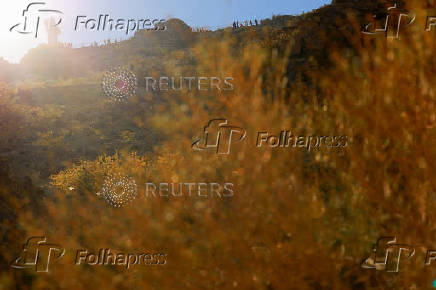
<point x="297" y="220"/>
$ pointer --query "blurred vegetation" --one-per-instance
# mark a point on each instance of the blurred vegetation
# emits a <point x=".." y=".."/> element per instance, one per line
<point x="298" y="220"/>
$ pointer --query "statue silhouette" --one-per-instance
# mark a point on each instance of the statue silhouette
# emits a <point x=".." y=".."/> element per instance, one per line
<point x="52" y="31"/>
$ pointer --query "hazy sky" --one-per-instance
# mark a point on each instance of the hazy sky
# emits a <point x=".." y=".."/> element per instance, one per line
<point x="207" y="13"/>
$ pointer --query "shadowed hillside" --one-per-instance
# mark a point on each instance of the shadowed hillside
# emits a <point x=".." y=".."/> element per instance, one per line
<point x="70" y="152"/>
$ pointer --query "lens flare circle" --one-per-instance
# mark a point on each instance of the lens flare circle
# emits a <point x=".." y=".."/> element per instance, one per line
<point x="119" y="84"/>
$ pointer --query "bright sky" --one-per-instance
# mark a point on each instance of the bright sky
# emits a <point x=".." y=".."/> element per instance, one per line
<point x="196" y="13"/>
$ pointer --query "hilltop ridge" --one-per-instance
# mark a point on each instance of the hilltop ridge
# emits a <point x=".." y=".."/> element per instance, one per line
<point x="309" y="34"/>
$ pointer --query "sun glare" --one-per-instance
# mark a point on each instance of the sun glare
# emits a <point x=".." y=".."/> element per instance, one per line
<point x="15" y="45"/>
